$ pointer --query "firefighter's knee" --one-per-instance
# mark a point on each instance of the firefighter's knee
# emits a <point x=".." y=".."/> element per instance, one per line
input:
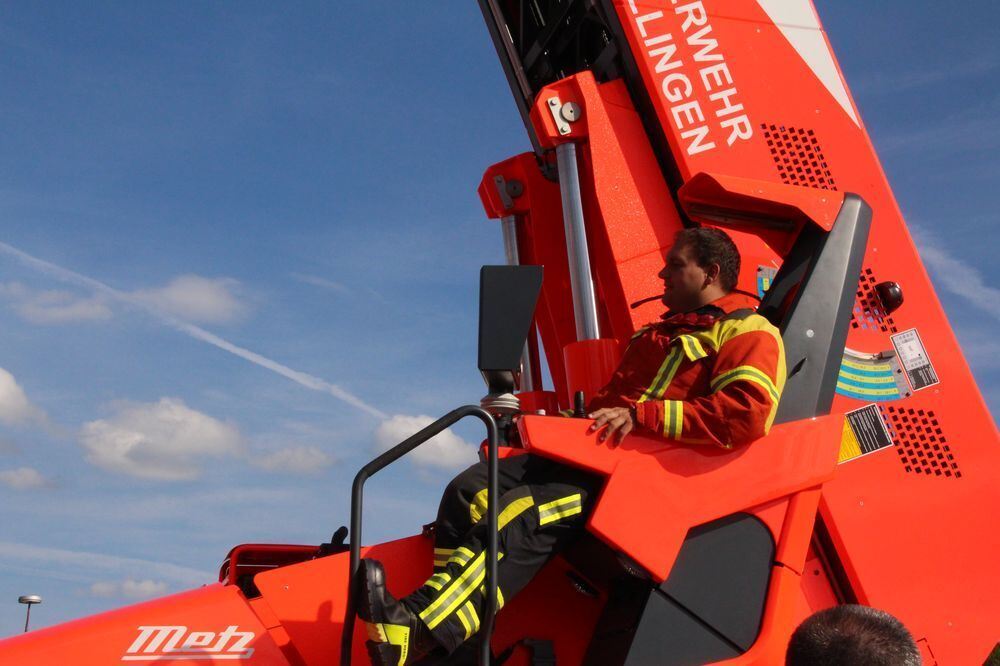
<point x="462" y="491"/>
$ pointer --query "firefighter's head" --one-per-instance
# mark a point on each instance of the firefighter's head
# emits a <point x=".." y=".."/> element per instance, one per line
<point x="702" y="265"/>
<point x="852" y="634"/>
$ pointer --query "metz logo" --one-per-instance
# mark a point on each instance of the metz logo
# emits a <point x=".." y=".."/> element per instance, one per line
<point x="176" y="642"/>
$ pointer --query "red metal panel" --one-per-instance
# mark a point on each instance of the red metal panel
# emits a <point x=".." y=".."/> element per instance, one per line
<point x="677" y="487"/>
<point x="310" y="598"/>
<point x="212" y="620"/>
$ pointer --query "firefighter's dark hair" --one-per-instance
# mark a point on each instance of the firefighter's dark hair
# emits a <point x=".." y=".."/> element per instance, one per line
<point x="713" y="246"/>
<point x="852" y="634"/>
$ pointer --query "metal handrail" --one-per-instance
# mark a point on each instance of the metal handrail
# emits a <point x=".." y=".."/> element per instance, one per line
<point x="493" y="544"/>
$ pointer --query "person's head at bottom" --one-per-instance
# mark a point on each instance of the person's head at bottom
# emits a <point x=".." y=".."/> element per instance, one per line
<point x="852" y="635"/>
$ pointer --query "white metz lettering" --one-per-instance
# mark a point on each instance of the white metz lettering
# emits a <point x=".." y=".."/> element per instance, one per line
<point x="160" y="643"/>
<point x="157" y="636"/>
<point x="242" y="638"/>
<point x="197" y="640"/>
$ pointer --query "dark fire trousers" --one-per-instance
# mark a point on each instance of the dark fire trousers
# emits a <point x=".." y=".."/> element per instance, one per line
<point x="542" y="507"/>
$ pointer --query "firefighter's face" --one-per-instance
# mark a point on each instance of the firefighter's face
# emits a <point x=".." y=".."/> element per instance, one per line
<point x="683" y="279"/>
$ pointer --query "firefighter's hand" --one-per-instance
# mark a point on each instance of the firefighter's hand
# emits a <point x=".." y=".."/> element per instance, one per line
<point x="620" y="421"/>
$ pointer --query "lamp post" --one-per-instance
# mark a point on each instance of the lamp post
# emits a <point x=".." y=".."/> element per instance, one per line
<point x="28" y="600"/>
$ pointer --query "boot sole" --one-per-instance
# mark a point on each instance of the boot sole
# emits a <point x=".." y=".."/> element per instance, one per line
<point x="382" y="654"/>
<point x="367" y="602"/>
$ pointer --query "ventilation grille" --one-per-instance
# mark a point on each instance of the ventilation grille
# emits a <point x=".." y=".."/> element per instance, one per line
<point x="920" y="443"/>
<point x="868" y="313"/>
<point x="797" y="155"/>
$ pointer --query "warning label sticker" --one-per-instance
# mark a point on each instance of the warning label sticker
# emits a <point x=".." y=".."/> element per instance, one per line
<point x="765" y="276"/>
<point x="913" y="356"/>
<point x="864" y="433"/>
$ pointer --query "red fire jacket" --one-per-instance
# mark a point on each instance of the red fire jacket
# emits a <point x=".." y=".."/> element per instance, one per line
<point x="713" y="376"/>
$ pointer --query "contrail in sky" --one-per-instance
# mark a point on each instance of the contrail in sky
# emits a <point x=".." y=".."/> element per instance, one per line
<point x="196" y="332"/>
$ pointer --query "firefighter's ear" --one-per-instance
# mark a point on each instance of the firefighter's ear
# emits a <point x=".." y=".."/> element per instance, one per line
<point x="712" y="272"/>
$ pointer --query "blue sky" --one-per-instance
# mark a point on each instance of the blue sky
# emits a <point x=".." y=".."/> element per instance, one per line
<point x="217" y="217"/>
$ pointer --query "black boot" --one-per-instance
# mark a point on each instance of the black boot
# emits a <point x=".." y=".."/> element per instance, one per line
<point x="397" y="636"/>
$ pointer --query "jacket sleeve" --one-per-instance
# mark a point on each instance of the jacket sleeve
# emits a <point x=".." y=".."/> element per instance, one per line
<point x="747" y="376"/>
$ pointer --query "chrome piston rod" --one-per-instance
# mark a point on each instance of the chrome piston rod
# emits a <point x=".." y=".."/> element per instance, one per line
<point x="581" y="279"/>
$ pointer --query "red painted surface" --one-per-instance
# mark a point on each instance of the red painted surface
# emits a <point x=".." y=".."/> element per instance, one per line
<point x="201" y="617"/>
<point x="678" y="487"/>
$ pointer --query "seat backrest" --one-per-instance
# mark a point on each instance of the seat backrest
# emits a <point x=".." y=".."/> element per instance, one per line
<point x="810" y="301"/>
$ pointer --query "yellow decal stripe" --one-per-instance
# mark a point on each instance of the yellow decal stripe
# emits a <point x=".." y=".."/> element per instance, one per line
<point x="867" y="379"/>
<point x="864" y="390"/>
<point x="881" y="367"/>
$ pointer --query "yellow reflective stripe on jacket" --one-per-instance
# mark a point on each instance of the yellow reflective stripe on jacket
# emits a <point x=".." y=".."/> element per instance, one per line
<point x="664" y="376"/>
<point x="477" y="508"/>
<point x="563" y="507"/>
<point x="747" y="373"/>
<point x="673" y="418"/>
<point x="693" y="349"/>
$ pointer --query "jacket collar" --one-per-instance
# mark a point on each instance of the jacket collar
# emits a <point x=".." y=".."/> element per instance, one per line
<point x="708" y="314"/>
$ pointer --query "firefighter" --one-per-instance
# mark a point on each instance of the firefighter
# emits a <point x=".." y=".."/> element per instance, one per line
<point x="710" y="373"/>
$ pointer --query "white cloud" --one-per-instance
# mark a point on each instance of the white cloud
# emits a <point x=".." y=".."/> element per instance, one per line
<point x="956" y="275"/>
<point x="317" y="281"/>
<point x="338" y="287"/>
<point x="15" y="408"/>
<point x="111" y="566"/>
<point x="195" y="298"/>
<point x="302" y="378"/>
<point x="445" y="451"/>
<point x="165" y="440"/>
<point x="54" y="307"/>
<point x="129" y="589"/>
<point x="23" y="478"/>
<point x="294" y="460"/>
